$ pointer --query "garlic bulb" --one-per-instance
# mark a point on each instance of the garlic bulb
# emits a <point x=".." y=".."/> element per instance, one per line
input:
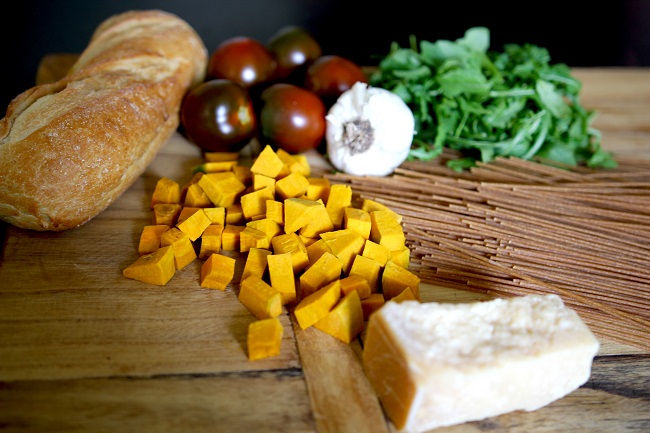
<point x="369" y="131"/>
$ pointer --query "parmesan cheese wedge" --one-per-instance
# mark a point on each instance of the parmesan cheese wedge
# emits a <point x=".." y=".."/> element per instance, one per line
<point x="440" y="364"/>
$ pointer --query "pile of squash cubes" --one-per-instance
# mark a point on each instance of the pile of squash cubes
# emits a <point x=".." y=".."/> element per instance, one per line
<point x="309" y="244"/>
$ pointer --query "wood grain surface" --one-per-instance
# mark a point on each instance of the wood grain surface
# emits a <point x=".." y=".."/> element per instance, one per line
<point x="83" y="349"/>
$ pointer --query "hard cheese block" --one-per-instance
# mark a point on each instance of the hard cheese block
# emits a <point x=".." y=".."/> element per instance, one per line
<point x="435" y="364"/>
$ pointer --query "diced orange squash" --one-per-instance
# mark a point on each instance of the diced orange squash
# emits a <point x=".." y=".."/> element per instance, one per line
<point x="215" y="166"/>
<point x="306" y="240"/>
<point x="318" y="221"/>
<point x="194" y="225"/>
<point x="268" y="226"/>
<point x="316" y="249"/>
<point x="222" y="188"/>
<point x="357" y="220"/>
<point x="339" y="198"/>
<point x="186" y="212"/>
<point x="275" y="211"/>
<point x="167" y="191"/>
<point x="366" y="268"/>
<point x="358" y="283"/>
<point x="256" y="262"/>
<point x="291" y="243"/>
<point x="377" y="252"/>
<point x="395" y="279"/>
<point x="150" y="238"/>
<point x="326" y="269"/>
<point x="291" y="186"/>
<point x="317" y="305"/>
<point x="346" y="245"/>
<point x="215" y="156"/>
<point x="260" y="181"/>
<point x="318" y="189"/>
<point x="211" y="241"/>
<point x="252" y="238"/>
<point x="234" y="214"/>
<point x="217" y="271"/>
<point x="267" y="163"/>
<point x="297" y="213"/>
<point x="294" y="163"/>
<point x="371" y="205"/>
<point x="216" y="214"/>
<point x="304" y="163"/>
<point x="243" y="173"/>
<point x="196" y="197"/>
<point x="386" y="231"/>
<point x="182" y="246"/>
<point x="153" y="268"/>
<point x="230" y="237"/>
<point x="254" y="203"/>
<point x="345" y="321"/>
<point x="406" y="295"/>
<point x="166" y="213"/>
<point x="371" y="304"/>
<point x="282" y="277"/>
<point x="262" y="300"/>
<point x="264" y="338"/>
<point x="401" y="257"/>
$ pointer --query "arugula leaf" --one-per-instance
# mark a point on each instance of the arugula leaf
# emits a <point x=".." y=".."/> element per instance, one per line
<point x="487" y="104"/>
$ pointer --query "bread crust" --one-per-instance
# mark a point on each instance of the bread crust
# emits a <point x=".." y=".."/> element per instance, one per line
<point x="69" y="149"/>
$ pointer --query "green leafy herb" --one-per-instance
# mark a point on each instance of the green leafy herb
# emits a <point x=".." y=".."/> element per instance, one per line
<point x="487" y="104"/>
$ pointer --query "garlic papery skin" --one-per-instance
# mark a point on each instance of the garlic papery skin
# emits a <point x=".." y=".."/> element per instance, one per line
<point x="369" y="131"/>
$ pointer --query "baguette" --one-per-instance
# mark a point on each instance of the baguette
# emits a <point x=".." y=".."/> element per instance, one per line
<point x="70" y="148"/>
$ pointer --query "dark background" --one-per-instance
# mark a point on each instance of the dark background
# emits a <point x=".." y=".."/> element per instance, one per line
<point x="578" y="33"/>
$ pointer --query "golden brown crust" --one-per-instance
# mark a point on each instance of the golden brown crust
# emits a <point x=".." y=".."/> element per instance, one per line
<point x="69" y="149"/>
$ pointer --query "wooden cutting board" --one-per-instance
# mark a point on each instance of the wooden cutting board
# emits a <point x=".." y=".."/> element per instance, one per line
<point x="84" y="349"/>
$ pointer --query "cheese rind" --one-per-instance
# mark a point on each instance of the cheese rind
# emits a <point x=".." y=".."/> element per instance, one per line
<point x="435" y="364"/>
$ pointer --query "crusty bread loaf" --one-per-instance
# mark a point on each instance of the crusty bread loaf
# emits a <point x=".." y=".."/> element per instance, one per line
<point x="69" y="149"/>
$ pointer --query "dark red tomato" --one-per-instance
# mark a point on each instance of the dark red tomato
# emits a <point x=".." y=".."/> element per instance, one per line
<point x="218" y="116"/>
<point x="244" y="60"/>
<point x="329" y="76"/>
<point x="294" y="48"/>
<point x="291" y="118"/>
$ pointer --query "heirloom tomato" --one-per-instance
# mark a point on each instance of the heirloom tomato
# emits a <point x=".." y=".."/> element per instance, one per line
<point x="242" y="59"/>
<point x="329" y="76"/>
<point x="294" y="48"/>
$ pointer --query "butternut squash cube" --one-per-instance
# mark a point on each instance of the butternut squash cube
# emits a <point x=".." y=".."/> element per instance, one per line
<point x="346" y="245"/>
<point x="318" y="189"/>
<point x="357" y="220"/>
<point x="223" y="188"/>
<point x="317" y="305"/>
<point x="211" y="241"/>
<point x="182" y="246"/>
<point x="377" y="252"/>
<point x="358" y="283"/>
<point x="291" y="243"/>
<point x="401" y="257"/>
<point x="318" y="221"/>
<point x="262" y="300"/>
<point x="406" y="295"/>
<point x="256" y="263"/>
<point x="166" y="213"/>
<point x="275" y="211"/>
<point x="217" y="271"/>
<point x="264" y="338"/>
<point x="153" y="268"/>
<point x="252" y="238"/>
<point x="215" y="156"/>
<point x="368" y="269"/>
<point x="166" y="191"/>
<point x="186" y="212"/>
<point x="345" y="321"/>
<point x="371" y="304"/>
<point x="326" y="269"/>
<point x="243" y="173"/>
<point x="307" y="241"/>
<point x="395" y="279"/>
<point x="386" y="231"/>
<point x="305" y="167"/>
<point x="215" y="166"/>
<point x="234" y="214"/>
<point x="230" y="237"/>
<point x="196" y="197"/>
<point x="294" y="163"/>
<point x="260" y="181"/>
<point x="297" y="213"/>
<point x="150" y="238"/>
<point x="268" y="226"/>
<point x="339" y="198"/>
<point x="282" y="276"/>
<point x="194" y="225"/>
<point x="217" y="215"/>
<point x="267" y="163"/>
<point x="371" y="205"/>
<point x="293" y="185"/>
<point x="254" y="203"/>
<point x="317" y="249"/>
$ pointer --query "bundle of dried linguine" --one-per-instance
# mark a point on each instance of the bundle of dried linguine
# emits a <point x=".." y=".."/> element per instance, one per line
<point x="514" y="227"/>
